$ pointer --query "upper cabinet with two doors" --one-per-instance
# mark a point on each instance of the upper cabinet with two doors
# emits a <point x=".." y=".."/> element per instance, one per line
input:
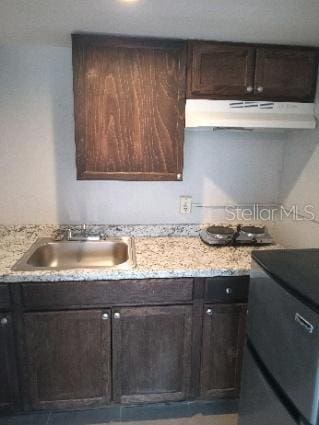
<point x="130" y="93"/>
<point x="249" y="72"/>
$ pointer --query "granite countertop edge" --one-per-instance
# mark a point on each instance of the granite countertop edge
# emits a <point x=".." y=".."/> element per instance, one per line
<point x="82" y="275"/>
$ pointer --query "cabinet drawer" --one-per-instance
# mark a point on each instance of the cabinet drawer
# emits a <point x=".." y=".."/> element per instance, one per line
<point x="4" y="297"/>
<point x="224" y="289"/>
<point x="107" y="293"/>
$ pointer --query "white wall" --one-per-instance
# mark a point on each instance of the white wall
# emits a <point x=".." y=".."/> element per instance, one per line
<point x="37" y="158"/>
<point x="299" y="188"/>
<point x="257" y="21"/>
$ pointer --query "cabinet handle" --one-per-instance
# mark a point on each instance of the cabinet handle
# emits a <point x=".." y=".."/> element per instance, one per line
<point x="249" y="89"/>
<point x="229" y="291"/>
<point x="209" y="312"/>
<point x="105" y="316"/>
<point x="4" y="321"/>
<point x="260" y="89"/>
<point x="117" y="315"/>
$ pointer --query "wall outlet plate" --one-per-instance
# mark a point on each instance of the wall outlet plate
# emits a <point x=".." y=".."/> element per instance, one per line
<point x="185" y="204"/>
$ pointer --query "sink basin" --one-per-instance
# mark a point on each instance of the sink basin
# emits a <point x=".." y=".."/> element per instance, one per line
<point x="47" y="254"/>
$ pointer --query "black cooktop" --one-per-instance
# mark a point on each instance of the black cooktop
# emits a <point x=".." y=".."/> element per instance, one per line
<point x="297" y="269"/>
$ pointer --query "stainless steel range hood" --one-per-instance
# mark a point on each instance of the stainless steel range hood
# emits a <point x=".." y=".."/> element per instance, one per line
<point x="235" y="114"/>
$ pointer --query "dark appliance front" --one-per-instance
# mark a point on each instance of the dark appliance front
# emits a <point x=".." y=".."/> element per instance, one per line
<point x="280" y="383"/>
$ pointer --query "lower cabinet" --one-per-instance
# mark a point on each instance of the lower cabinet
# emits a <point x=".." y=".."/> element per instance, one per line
<point x="151" y="353"/>
<point x="8" y="372"/>
<point x="68" y="354"/>
<point x="223" y="340"/>
<point x="78" y="350"/>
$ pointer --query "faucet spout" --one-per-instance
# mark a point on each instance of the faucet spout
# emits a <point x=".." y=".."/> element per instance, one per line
<point x="82" y="235"/>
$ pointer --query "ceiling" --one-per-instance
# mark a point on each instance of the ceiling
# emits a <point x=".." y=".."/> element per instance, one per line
<point x="270" y="21"/>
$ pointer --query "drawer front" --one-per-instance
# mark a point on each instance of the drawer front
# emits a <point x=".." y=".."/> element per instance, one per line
<point x="107" y="293"/>
<point x="224" y="289"/>
<point x="4" y="298"/>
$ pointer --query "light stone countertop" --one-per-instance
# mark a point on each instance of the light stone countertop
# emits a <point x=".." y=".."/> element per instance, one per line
<point x="156" y="257"/>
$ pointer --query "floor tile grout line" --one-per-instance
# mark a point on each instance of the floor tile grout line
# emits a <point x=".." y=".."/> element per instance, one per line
<point x="49" y="418"/>
<point x="120" y="421"/>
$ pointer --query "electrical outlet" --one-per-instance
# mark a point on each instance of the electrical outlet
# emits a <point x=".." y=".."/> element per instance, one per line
<point x="185" y="204"/>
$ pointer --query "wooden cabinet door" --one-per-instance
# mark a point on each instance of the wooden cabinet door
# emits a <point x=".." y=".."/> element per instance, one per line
<point x="8" y="372"/>
<point x="129" y="99"/>
<point x="286" y="74"/>
<point x="220" y="71"/>
<point x="68" y="356"/>
<point x="151" y="353"/>
<point x="223" y="341"/>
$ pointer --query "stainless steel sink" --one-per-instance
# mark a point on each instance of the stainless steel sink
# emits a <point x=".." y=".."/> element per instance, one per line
<point x="47" y="254"/>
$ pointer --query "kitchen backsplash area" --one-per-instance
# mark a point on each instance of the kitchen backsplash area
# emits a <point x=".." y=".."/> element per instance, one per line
<point x="221" y="168"/>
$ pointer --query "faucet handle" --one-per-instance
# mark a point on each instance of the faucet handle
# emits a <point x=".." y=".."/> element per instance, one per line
<point x="68" y="234"/>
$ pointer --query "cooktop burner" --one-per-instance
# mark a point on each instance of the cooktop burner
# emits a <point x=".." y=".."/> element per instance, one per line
<point x="241" y="235"/>
<point x="253" y="230"/>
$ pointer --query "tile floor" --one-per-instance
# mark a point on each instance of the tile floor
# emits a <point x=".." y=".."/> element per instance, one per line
<point x="195" y="420"/>
<point x="187" y="413"/>
<point x="53" y="419"/>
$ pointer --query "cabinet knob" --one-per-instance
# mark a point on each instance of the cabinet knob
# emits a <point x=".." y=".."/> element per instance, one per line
<point x="179" y="176"/>
<point x="3" y="321"/>
<point x="260" y="89"/>
<point x="117" y="315"/>
<point x="209" y="312"/>
<point x="249" y="89"/>
<point x="229" y="291"/>
<point x="105" y="316"/>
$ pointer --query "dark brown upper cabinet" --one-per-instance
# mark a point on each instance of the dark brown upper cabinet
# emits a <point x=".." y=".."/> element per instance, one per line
<point x="220" y="70"/>
<point x="286" y="74"/>
<point x="251" y="72"/>
<point x="129" y="96"/>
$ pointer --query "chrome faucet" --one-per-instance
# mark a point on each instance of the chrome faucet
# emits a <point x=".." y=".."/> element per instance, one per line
<point x="83" y="235"/>
<point x="83" y="230"/>
<point x="68" y="234"/>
